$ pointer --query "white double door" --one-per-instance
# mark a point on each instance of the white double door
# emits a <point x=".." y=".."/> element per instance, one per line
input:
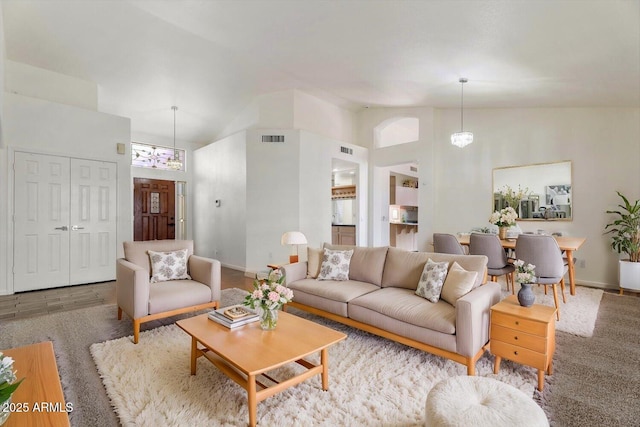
<point x="64" y="221"/>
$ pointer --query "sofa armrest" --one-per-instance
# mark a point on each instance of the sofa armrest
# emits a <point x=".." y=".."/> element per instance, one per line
<point x="207" y="271"/>
<point x="294" y="272"/>
<point x="132" y="288"/>
<point x="473" y="318"/>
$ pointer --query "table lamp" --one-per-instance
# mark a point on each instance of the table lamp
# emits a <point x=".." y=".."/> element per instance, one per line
<point x="293" y="238"/>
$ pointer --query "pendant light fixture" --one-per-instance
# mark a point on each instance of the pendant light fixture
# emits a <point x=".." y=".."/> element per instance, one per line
<point x="174" y="163"/>
<point x="462" y="139"/>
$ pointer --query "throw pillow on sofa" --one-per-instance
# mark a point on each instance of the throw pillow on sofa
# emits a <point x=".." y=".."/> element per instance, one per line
<point x="168" y="265"/>
<point x="432" y="280"/>
<point x="314" y="261"/>
<point x="458" y="283"/>
<point x="335" y="265"/>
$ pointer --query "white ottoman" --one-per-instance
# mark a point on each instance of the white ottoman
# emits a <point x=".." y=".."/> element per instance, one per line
<point x="477" y="401"/>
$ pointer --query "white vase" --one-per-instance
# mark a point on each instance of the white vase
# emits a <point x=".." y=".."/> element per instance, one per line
<point x="4" y="411"/>
<point x="629" y="275"/>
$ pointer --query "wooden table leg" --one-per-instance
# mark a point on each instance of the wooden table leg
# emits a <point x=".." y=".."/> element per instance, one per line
<point x="496" y="366"/>
<point x="194" y="357"/>
<point x="252" y="400"/>
<point x="572" y="280"/>
<point x="550" y="368"/>
<point x="324" y="361"/>
<point x="540" y="379"/>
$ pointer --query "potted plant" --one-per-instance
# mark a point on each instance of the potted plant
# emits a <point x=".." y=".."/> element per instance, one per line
<point x="625" y="231"/>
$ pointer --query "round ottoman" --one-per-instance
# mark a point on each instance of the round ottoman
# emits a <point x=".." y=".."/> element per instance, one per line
<point x="477" y="401"/>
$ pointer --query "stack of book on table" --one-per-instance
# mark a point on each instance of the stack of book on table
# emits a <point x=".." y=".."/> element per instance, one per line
<point x="233" y="316"/>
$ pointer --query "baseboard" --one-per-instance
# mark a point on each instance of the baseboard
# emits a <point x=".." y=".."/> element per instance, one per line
<point x="231" y="266"/>
<point x="591" y="284"/>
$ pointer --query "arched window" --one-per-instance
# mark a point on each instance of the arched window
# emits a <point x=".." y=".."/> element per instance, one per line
<point x="398" y="130"/>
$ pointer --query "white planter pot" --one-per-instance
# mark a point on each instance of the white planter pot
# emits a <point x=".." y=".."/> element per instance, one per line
<point x="629" y="275"/>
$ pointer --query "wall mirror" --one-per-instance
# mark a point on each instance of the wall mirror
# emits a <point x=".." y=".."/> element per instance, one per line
<point x="537" y="191"/>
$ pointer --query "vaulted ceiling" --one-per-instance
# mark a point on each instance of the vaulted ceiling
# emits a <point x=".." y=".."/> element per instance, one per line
<point x="211" y="58"/>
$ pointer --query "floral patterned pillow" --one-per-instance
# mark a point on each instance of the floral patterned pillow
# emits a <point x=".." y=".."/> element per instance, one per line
<point x="432" y="279"/>
<point x="168" y="265"/>
<point x="335" y="265"/>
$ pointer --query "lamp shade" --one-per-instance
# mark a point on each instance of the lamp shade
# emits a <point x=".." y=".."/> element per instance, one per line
<point x="293" y="238"/>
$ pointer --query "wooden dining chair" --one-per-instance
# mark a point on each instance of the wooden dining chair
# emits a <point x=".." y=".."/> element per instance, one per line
<point x="545" y="254"/>
<point x="498" y="265"/>
<point x="447" y="244"/>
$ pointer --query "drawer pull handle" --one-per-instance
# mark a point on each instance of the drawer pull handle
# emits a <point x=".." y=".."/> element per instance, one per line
<point x="515" y="352"/>
<point x="517" y="323"/>
<point x="515" y="338"/>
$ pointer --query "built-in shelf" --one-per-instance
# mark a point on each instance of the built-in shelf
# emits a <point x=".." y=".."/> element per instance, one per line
<point x="343" y="192"/>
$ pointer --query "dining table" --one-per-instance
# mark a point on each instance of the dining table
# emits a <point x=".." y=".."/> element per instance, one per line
<point x="568" y="244"/>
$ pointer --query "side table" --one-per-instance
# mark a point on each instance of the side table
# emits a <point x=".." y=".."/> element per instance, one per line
<point x="526" y="335"/>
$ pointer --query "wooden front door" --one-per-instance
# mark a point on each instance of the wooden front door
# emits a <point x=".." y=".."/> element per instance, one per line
<point x="154" y="209"/>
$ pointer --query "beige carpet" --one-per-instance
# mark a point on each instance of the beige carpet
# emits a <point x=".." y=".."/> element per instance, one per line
<point x="373" y="381"/>
<point x="578" y="315"/>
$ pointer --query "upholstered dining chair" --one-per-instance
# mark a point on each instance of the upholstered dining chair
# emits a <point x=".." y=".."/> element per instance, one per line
<point x="545" y="254"/>
<point x="498" y="264"/>
<point x="162" y="278"/>
<point x="447" y="244"/>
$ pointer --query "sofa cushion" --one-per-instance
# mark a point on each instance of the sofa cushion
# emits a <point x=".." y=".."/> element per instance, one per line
<point x="166" y="296"/>
<point x="404" y="305"/>
<point x="459" y="282"/>
<point x="171" y="265"/>
<point x="367" y="264"/>
<point x="432" y="280"/>
<point x="342" y="291"/>
<point x="314" y="261"/>
<point x="136" y="252"/>
<point x="403" y="268"/>
<point x="335" y="265"/>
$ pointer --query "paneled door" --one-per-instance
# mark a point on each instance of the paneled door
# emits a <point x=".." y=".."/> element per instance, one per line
<point x="92" y="221"/>
<point x="154" y="209"/>
<point x="64" y="221"/>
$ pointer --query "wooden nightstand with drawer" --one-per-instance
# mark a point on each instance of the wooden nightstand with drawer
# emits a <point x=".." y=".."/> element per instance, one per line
<point x="525" y="335"/>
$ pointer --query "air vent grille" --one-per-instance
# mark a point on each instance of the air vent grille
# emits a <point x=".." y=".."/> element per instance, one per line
<point x="346" y="150"/>
<point x="272" y="138"/>
<point x="413" y="169"/>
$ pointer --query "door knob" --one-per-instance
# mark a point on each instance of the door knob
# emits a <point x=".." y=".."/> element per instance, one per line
<point x="75" y="227"/>
<point x="63" y="228"/>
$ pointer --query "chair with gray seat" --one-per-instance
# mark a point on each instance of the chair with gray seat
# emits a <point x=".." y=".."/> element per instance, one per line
<point x="498" y="265"/>
<point x="545" y="254"/>
<point x="447" y="244"/>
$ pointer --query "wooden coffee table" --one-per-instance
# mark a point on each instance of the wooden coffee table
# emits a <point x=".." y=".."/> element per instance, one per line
<point x="246" y="353"/>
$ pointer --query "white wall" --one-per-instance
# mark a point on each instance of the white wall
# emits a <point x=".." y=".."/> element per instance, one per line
<point x="3" y="167"/>
<point x="220" y="173"/>
<point x="50" y="128"/>
<point x="39" y="83"/>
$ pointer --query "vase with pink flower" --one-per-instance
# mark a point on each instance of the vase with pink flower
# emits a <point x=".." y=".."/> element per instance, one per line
<point x="268" y="296"/>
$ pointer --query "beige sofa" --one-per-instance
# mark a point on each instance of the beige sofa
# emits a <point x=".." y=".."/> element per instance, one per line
<point x="144" y="301"/>
<point x="380" y="298"/>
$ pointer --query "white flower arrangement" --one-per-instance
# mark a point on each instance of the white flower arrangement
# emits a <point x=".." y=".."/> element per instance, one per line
<point x="8" y="382"/>
<point x="525" y="273"/>
<point x="269" y="293"/>
<point x="504" y="218"/>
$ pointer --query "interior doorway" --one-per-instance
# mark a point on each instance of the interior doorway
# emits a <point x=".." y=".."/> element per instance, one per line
<point x="344" y="202"/>
<point x="154" y="209"/>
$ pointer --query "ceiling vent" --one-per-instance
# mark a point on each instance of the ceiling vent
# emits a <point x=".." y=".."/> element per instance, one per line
<point x="346" y="150"/>
<point x="413" y="169"/>
<point x="272" y="138"/>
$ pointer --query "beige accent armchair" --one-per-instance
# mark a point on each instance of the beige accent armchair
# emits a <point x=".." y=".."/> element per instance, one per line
<point x="144" y="301"/>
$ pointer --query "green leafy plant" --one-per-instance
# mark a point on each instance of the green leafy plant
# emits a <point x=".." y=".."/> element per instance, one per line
<point x="625" y="229"/>
<point x="513" y="197"/>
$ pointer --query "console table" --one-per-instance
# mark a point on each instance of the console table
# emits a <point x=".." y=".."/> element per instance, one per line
<point x="38" y="401"/>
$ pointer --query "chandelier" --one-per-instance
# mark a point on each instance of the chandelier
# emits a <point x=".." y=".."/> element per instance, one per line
<point x="462" y="139"/>
<point x="174" y="163"/>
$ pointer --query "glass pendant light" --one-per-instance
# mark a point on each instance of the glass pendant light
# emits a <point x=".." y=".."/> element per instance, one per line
<point x="174" y="163"/>
<point x="462" y="139"/>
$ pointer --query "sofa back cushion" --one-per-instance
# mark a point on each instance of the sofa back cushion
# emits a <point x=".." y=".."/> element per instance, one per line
<point x="137" y="252"/>
<point x="367" y="264"/>
<point x="402" y="269"/>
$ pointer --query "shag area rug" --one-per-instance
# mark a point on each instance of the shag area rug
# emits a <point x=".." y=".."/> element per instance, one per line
<point x="578" y="315"/>
<point x="372" y="381"/>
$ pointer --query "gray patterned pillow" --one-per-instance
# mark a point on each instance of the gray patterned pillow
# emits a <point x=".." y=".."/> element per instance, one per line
<point x="168" y="265"/>
<point x="335" y="265"/>
<point x="432" y="279"/>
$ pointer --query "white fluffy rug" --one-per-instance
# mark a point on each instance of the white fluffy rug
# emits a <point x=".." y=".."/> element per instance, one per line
<point x="372" y="381"/>
<point x="578" y="315"/>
